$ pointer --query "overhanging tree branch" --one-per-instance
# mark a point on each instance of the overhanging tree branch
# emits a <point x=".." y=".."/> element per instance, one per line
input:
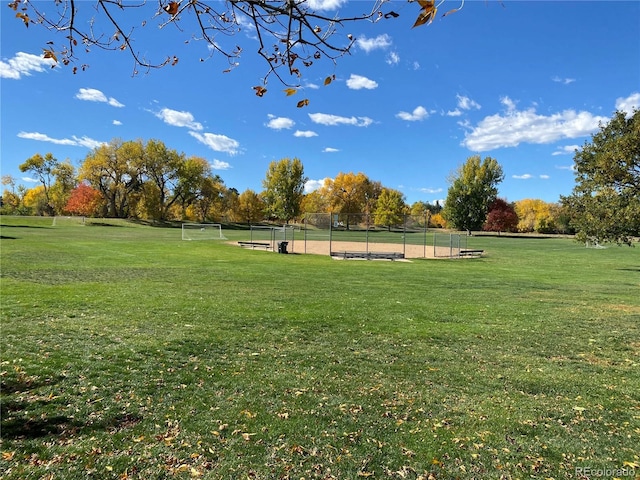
<point x="302" y="33"/>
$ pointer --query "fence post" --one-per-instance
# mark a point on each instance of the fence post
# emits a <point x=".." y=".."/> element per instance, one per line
<point x="404" y="237"/>
<point x="367" y="233"/>
<point x="330" y="231"/>
<point x="426" y="224"/>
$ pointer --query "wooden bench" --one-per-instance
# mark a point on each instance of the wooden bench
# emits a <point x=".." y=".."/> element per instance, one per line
<point x="253" y="245"/>
<point x="369" y="255"/>
<point x="471" y="253"/>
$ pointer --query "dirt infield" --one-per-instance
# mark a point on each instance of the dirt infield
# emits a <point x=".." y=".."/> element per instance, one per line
<point x="317" y="247"/>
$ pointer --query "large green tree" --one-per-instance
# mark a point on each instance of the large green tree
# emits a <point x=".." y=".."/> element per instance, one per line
<point x="473" y="189"/>
<point x="605" y="203"/>
<point x="284" y="188"/>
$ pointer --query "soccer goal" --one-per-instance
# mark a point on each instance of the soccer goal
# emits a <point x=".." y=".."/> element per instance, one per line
<point x="202" y="231"/>
<point x="68" y="221"/>
<point x="593" y="243"/>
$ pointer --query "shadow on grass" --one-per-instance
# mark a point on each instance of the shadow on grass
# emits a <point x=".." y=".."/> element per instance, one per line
<point x="20" y="428"/>
<point x="25" y="415"/>
<point x="523" y="236"/>
<point x="630" y="269"/>
<point x="15" y="425"/>
<point x="102" y="224"/>
<point x="2" y="225"/>
<point x="9" y="386"/>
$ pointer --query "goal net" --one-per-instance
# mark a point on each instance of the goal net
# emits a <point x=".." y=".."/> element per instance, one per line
<point x="68" y="221"/>
<point x="202" y="231"/>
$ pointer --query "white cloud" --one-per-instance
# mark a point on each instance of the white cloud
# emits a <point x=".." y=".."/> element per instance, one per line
<point x="416" y="66"/>
<point x="24" y="64"/>
<point x="566" y="150"/>
<point x="85" y="141"/>
<point x="368" y="44"/>
<point x="278" y="123"/>
<point x="305" y="133"/>
<point x="629" y="103"/>
<point x="419" y="113"/>
<point x="325" y="4"/>
<point x="564" y="81"/>
<point x="393" y="58"/>
<point x="93" y="95"/>
<point x="217" y="143"/>
<point x="74" y="141"/>
<point x="29" y="180"/>
<point x="571" y="168"/>
<point x="431" y="190"/>
<point x="333" y="120"/>
<point x="357" y="82"/>
<point x="177" y="118"/>
<point x="41" y="137"/>
<point x="313" y="185"/>
<point x="515" y="127"/>
<point x="528" y="176"/>
<point x="330" y="150"/>
<point x="507" y="102"/>
<point x="465" y="103"/>
<point x="246" y="25"/>
<point x="117" y="122"/>
<point x="220" y="165"/>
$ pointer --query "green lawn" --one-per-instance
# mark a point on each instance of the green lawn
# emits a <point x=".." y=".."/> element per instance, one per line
<point x="128" y="353"/>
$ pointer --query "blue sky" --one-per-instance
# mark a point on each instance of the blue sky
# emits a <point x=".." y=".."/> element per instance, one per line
<point x="523" y="82"/>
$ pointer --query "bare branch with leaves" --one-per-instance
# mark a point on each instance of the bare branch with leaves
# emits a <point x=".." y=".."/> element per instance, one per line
<point x="291" y="34"/>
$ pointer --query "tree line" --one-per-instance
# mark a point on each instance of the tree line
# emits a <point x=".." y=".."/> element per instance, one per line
<point x="147" y="180"/>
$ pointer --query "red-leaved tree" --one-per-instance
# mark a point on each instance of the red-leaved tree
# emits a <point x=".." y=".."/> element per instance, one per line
<point x="502" y="217"/>
<point x="84" y="200"/>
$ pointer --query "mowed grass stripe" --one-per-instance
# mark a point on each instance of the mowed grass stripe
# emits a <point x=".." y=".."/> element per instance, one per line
<point x="127" y="352"/>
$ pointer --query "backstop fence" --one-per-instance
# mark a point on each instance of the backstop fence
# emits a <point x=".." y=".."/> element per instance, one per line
<point x="360" y="235"/>
<point x="368" y="235"/>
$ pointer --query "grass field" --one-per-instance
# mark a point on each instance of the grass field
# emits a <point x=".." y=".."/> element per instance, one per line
<point x="128" y="353"/>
